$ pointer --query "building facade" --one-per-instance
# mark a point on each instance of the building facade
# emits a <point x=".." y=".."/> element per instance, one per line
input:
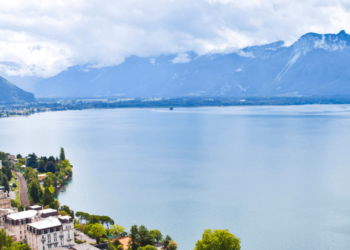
<point x="41" y="229"/>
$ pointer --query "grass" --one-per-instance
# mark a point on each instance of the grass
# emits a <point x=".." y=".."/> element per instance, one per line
<point x="16" y="190"/>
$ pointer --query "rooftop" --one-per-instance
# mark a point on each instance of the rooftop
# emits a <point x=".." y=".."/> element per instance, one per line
<point x="84" y="246"/>
<point x="48" y="210"/>
<point x="47" y="223"/>
<point x="22" y="215"/>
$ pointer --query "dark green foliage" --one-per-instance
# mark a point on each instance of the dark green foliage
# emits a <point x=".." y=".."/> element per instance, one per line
<point x="166" y="241"/>
<point x="3" y="156"/>
<point x="5" y="240"/>
<point x="32" y="161"/>
<point x="48" y="197"/>
<point x="50" y="167"/>
<point x="47" y="182"/>
<point x="19" y="156"/>
<point x="7" y="171"/>
<point x="133" y="235"/>
<point x="62" y="155"/>
<point x="41" y="166"/>
<point x="51" y="158"/>
<point x="145" y="237"/>
<point x="35" y="191"/>
<point x="14" y="203"/>
<point x="116" y="243"/>
<point x="5" y="183"/>
<point x="54" y="205"/>
<point x="68" y="210"/>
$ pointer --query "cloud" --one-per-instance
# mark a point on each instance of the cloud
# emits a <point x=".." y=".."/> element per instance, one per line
<point x="181" y="58"/>
<point x="45" y="37"/>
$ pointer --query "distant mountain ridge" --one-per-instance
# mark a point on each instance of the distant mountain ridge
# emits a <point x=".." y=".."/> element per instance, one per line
<point x="315" y="65"/>
<point x="10" y="93"/>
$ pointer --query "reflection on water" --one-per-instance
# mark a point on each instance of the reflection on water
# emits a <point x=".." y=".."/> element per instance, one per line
<point x="277" y="177"/>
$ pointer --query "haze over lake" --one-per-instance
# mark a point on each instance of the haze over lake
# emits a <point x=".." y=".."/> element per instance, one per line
<point x="277" y="177"/>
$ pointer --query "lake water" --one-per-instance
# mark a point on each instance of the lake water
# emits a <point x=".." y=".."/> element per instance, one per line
<point x="277" y="177"/>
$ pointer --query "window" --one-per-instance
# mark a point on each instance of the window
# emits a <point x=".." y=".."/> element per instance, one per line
<point x="48" y="230"/>
<point x="43" y="248"/>
<point x="20" y="232"/>
<point x="20" y="237"/>
<point x="54" y="229"/>
<point x="24" y="231"/>
<point x="42" y="231"/>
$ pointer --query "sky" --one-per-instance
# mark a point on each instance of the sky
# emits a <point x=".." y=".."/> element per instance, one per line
<point x="42" y="38"/>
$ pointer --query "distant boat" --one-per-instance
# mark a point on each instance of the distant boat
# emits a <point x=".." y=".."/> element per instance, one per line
<point x="171" y="108"/>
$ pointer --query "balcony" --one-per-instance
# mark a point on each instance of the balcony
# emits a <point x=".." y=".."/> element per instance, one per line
<point x="69" y="239"/>
<point x="43" y="240"/>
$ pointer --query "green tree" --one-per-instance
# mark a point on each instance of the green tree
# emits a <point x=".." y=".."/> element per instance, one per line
<point x="157" y="235"/>
<point x="133" y="236"/>
<point x="96" y="231"/>
<point x="166" y="241"/>
<point x="172" y="245"/>
<point x="5" y="240"/>
<point x="35" y="191"/>
<point x="148" y="247"/>
<point x="145" y="237"/>
<point x="32" y="161"/>
<point x="218" y="240"/>
<point x="62" y="155"/>
<point x="48" y="197"/>
<point x="116" y="229"/>
<point x="19" y="156"/>
<point x="50" y="167"/>
<point x="68" y="210"/>
<point x="120" y="247"/>
<point x="41" y="166"/>
<point x="5" y="183"/>
<point x="55" y="204"/>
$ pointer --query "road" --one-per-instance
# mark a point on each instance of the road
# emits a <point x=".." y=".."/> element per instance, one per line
<point x="23" y="195"/>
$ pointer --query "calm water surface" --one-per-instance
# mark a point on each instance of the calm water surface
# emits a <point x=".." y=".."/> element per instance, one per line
<point x="277" y="177"/>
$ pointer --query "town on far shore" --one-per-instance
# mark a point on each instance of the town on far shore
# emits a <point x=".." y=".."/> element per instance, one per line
<point x="32" y="218"/>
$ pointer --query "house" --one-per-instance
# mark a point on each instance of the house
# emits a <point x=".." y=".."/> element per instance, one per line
<point x="41" y="177"/>
<point x="5" y="201"/>
<point x="11" y="157"/>
<point x="23" y="167"/>
<point x="51" y="233"/>
<point x="41" y="229"/>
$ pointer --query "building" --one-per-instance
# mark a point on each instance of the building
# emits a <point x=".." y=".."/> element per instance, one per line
<point x="51" y="233"/>
<point x="0" y="164"/>
<point x="41" y="229"/>
<point x="5" y="201"/>
<point x="11" y="157"/>
<point x="16" y="223"/>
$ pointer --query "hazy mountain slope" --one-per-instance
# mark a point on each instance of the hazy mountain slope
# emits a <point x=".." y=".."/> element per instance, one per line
<point x="10" y="93"/>
<point x="314" y="65"/>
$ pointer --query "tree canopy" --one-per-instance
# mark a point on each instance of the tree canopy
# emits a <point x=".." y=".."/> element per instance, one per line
<point x="218" y="240"/>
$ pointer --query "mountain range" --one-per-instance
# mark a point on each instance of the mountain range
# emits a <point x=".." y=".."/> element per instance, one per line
<point x="10" y="93"/>
<point x="315" y="65"/>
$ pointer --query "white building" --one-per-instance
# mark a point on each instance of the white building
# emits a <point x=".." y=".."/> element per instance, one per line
<point x="41" y="229"/>
<point x="51" y="233"/>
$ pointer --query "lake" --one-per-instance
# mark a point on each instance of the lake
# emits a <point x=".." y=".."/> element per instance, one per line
<point x="277" y="177"/>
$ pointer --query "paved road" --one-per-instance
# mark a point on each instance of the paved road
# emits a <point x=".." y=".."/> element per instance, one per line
<point x="23" y="195"/>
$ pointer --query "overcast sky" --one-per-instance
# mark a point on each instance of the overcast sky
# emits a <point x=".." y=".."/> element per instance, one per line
<point x="45" y="37"/>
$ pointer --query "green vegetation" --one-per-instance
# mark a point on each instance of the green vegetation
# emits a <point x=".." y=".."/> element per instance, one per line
<point x="143" y="239"/>
<point x="7" y="243"/>
<point x="57" y="172"/>
<point x="218" y="240"/>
